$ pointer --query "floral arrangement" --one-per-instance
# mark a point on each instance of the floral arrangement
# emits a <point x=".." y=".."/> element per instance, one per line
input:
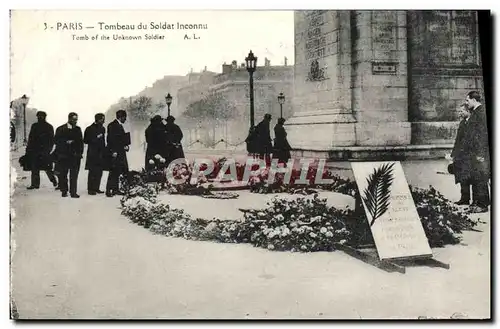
<point x="443" y="221"/>
<point x="297" y="225"/>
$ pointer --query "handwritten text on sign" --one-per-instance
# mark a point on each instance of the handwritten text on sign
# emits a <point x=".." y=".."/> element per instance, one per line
<point x="390" y="210"/>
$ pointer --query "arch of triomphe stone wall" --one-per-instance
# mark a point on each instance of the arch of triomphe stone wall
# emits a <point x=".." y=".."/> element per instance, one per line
<point x="354" y="89"/>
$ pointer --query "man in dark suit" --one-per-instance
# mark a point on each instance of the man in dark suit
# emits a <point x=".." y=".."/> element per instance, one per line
<point x="40" y="144"/>
<point x="94" y="137"/>
<point x="478" y="148"/>
<point x="118" y="145"/>
<point x="69" y="146"/>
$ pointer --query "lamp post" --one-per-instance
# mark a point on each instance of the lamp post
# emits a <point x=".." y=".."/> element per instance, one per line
<point x="281" y="100"/>
<point x="251" y="64"/>
<point x="24" y="102"/>
<point x="168" y="100"/>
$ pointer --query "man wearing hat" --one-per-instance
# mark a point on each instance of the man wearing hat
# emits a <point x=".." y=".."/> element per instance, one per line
<point x="40" y="144"/>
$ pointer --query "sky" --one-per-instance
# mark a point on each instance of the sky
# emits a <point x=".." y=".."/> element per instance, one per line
<point x="62" y="75"/>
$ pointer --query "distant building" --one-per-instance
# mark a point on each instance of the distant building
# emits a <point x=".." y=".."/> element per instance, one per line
<point x="230" y="92"/>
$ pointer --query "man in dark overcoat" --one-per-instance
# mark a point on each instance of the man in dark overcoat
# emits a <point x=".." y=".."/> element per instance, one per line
<point x="40" y="144"/>
<point x="118" y="143"/>
<point x="478" y="149"/>
<point x="94" y="137"/>
<point x="174" y="137"/>
<point x="263" y="142"/>
<point x="461" y="159"/>
<point x="69" y="146"/>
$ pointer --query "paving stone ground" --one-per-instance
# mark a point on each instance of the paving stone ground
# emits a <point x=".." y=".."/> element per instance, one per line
<point x="81" y="259"/>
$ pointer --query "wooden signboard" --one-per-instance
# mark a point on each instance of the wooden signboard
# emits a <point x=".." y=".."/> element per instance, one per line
<point x="391" y="213"/>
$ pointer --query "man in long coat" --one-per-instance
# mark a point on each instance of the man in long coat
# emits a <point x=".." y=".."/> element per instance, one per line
<point x="118" y="145"/>
<point x="94" y="137"/>
<point x="69" y="146"/>
<point x="262" y="137"/>
<point x="462" y="164"/>
<point x="478" y="148"/>
<point x="40" y="144"/>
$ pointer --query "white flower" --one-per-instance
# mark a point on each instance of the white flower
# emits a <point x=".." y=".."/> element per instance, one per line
<point x="303" y="247"/>
<point x="312" y="235"/>
<point x="323" y="230"/>
<point x="162" y="160"/>
<point x="157" y="156"/>
<point x="151" y="161"/>
<point x="342" y="241"/>
<point x="270" y="246"/>
<point x="329" y="234"/>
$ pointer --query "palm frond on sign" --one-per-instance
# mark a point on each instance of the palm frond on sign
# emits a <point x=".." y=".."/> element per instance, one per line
<point x="378" y="192"/>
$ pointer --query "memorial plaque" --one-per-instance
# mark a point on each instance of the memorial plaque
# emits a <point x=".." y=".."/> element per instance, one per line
<point x="384" y="68"/>
<point x="390" y="210"/>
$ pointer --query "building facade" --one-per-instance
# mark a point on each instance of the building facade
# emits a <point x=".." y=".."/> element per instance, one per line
<point x="368" y="81"/>
<point x="226" y="127"/>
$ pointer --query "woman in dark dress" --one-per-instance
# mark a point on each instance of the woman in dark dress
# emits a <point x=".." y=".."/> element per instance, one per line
<point x="156" y="138"/>
<point x="281" y="146"/>
<point x="174" y="138"/>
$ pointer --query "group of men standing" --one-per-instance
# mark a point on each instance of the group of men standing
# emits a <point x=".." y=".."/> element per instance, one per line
<point x="471" y="156"/>
<point x="104" y="153"/>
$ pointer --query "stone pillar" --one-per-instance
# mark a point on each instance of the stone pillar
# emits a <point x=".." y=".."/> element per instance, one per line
<point x="323" y="116"/>
<point x="445" y="64"/>
<point x="379" y="87"/>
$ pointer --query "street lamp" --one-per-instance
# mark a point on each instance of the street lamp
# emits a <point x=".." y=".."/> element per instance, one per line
<point x="251" y="64"/>
<point x="168" y="100"/>
<point x="24" y="102"/>
<point x="281" y="100"/>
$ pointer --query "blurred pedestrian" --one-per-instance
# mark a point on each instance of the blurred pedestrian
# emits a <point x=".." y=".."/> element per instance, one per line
<point x="281" y="150"/>
<point x="40" y="144"/>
